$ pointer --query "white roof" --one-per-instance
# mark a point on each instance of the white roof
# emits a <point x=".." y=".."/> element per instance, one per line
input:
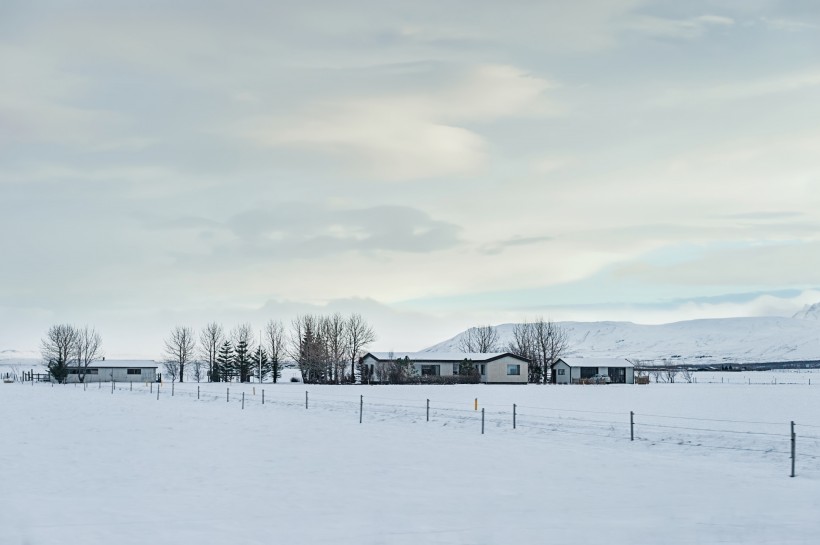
<point x="439" y="356"/>
<point x="105" y="364"/>
<point x="596" y="362"/>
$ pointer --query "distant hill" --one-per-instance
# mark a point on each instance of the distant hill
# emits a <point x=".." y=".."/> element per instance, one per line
<point x="742" y="340"/>
<point x="809" y="312"/>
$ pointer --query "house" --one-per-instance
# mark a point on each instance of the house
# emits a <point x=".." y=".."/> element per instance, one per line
<point x="117" y="371"/>
<point x="573" y="370"/>
<point x="492" y="368"/>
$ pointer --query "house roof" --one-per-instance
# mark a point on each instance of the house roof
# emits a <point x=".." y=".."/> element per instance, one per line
<point x="445" y="357"/>
<point x="595" y="362"/>
<point x="110" y="364"/>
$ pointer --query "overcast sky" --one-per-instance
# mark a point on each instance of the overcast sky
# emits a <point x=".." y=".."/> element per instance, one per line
<point x="432" y="165"/>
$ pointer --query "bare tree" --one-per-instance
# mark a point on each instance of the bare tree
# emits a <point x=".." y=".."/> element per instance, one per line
<point x="87" y="349"/>
<point x="197" y="366"/>
<point x="275" y="336"/>
<point x="359" y="336"/>
<point x="171" y="369"/>
<point x="57" y="348"/>
<point x="687" y="374"/>
<point x="210" y="340"/>
<point x="480" y="339"/>
<point x="179" y="350"/>
<point x="336" y="342"/>
<point x="669" y="374"/>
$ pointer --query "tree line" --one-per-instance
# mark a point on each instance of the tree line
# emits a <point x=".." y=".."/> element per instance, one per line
<point x="326" y="349"/>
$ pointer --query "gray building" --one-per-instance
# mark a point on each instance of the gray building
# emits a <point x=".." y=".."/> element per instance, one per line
<point x="493" y="368"/>
<point x="574" y="370"/>
<point x="117" y="371"/>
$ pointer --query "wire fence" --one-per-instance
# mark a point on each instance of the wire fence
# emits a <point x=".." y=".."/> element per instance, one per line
<point x="769" y="440"/>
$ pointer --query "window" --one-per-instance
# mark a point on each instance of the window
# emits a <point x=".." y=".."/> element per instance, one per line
<point x="513" y="369"/>
<point x="135" y="371"/>
<point x="456" y="368"/>
<point x="482" y="368"/>
<point x="430" y="370"/>
<point x="73" y="371"/>
<point x="92" y="371"/>
<point x="561" y="371"/>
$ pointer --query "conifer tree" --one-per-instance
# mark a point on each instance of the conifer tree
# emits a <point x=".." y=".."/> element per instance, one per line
<point x="223" y="366"/>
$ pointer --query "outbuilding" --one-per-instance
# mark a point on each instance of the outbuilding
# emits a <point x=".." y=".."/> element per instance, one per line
<point x="115" y="370"/>
<point x="575" y="370"/>
<point x="493" y="368"/>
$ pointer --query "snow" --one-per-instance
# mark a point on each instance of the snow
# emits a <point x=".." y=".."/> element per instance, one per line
<point x="725" y="340"/>
<point x="455" y="356"/>
<point x="809" y="312"/>
<point x="596" y="362"/>
<point x="95" y="467"/>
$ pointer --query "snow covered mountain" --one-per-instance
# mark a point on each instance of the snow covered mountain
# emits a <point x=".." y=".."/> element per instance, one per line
<point x="742" y="340"/>
<point x="809" y="312"/>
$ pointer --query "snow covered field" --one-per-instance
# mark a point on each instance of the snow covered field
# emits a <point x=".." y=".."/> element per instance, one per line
<point x="709" y="464"/>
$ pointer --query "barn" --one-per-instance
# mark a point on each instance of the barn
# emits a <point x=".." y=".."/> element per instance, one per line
<point x="117" y="371"/>
<point x="575" y="370"/>
<point x="493" y="368"/>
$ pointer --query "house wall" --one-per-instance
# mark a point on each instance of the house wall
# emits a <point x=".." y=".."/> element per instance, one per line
<point x="565" y="378"/>
<point x="118" y="374"/>
<point x="497" y="371"/>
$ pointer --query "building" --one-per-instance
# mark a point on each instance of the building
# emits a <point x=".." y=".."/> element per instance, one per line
<point x="117" y="371"/>
<point x="493" y="368"/>
<point x="572" y="370"/>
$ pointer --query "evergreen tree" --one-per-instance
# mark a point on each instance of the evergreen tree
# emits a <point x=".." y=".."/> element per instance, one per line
<point x="275" y="368"/>
<point x="243" y="361"/>
<point x="223" y="366"/>
<point x="261" y="363"/>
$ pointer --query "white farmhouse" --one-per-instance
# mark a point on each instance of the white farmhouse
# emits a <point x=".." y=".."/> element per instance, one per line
<point x="494" y="368"/>
<point x="572" y="370"/>
<point x="117" y="371"/>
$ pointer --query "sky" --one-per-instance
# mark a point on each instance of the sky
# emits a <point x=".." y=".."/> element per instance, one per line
<point x="430" y="165"/>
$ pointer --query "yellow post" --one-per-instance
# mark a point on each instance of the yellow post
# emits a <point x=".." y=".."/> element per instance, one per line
<point x="476" y="404"/>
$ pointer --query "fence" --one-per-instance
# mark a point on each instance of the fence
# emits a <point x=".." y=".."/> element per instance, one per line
<point x="770" y="440"/>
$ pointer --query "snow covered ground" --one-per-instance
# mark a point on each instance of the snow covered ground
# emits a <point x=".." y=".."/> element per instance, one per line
<point x="710" y="464"/>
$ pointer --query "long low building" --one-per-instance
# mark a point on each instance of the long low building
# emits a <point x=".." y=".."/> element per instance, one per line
<point x="493" y="368"/>
<point x="115" y="370"/>
<point x="574" y="370"/>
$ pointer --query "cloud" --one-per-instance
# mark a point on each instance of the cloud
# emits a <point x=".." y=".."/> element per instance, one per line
<point x="403" y="135"/>
<point x="686" y="29"/>
<point x="498" y="247"/>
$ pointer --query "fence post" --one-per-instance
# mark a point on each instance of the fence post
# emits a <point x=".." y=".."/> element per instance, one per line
<point x="476" y="404"/>
<point x="361" y="407"/>
<point x="263" y="396"/>
<point x="227" y="395"/>
<point x="306" y="399"/>
<point x="172" y="389"/>
<point x="428" y="410"/>
<point x="482" y="420"/>
<point x="631" y="426"/>
<point x="157" y="392"/>
<point x="794" y="440"/>
<point x="130" y="386"/>
<point x="514" y="411"/>
<point x="112" y="386"/>
<point x="151" y="388"/>
<point x="243" y="401"/>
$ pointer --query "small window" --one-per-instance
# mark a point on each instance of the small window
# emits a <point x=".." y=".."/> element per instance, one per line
<point x="513" y="369"/>
<point x="430" y="370"/>
<point x="92" y="371"/>
<point x="73" y="371"/>
<point x="482" y="368"/>
<point x="135" y="371"/>
<point x="561" y="371"/>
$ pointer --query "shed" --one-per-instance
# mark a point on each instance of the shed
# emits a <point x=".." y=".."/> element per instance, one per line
<point x="116" y="370"/>
<point x="572" y="370"/>
<point x="493" y="368"/>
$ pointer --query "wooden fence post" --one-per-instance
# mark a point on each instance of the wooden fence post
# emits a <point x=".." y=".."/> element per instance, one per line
<point x="794" y="448"/>
<point x="631" y="426"/>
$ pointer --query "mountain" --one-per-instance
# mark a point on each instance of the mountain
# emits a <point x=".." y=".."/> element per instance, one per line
<point x="19" y="355"/>
<point x="809" y="312"/>
<point x="763" y="339"/>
